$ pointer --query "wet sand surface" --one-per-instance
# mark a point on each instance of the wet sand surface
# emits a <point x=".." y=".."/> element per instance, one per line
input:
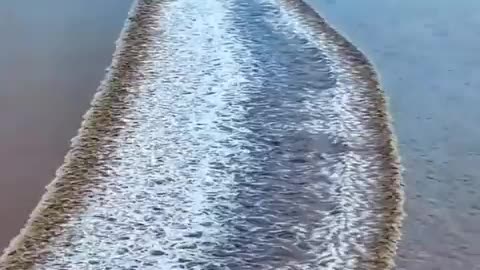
<point x="427" y="56"/>
<point x="237" y="134"/>
<point x="53" y="55"/>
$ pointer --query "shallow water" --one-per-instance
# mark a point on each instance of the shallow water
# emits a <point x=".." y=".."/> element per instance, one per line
<point x="53" y="54"/>
<point x="427" y="56"/>
<point x="239" y="134"/>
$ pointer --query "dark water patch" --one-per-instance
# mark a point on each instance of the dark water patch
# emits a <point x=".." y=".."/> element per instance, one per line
<point x="368" y="110"/>
<point x="408" y="45"/>
<point x="277" y="206"/>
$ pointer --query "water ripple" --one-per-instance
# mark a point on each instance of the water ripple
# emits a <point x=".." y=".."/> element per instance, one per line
<point x="250" y="138"/>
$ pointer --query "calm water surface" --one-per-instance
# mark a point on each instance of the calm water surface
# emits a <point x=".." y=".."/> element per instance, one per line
<point x="427" y="55"/>
<point x="52" y="57"/>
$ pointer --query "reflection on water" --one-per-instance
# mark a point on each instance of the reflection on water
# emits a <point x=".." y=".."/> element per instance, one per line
<point x="427" y="55"/>
<point x="52" y="57"/>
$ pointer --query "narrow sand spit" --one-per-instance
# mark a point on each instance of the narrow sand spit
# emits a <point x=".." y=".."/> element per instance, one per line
<point x="239" y="134"/>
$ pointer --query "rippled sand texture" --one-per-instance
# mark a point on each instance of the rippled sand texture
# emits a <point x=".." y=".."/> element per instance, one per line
<point x="238" y="134"/>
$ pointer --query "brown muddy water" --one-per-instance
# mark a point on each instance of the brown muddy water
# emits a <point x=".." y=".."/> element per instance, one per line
<point x="53" y="55"/>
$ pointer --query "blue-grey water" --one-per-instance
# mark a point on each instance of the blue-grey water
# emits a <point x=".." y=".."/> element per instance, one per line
<point x="53" y="54"/>
<point x="427" y="55"/>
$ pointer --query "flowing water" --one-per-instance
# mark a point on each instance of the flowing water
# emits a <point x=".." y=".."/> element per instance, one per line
<point x="238" y="134"/>
<point x="427" y="55"/>
<point x="53" y="54"/>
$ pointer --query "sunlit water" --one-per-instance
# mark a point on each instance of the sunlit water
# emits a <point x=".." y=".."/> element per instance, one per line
<point x="427" y="55"/>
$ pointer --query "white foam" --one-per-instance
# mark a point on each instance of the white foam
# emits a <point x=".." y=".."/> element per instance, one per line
<point x="163" y="173"/>
<point x="158" y="202"/>
<point x="354" y="177"/>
